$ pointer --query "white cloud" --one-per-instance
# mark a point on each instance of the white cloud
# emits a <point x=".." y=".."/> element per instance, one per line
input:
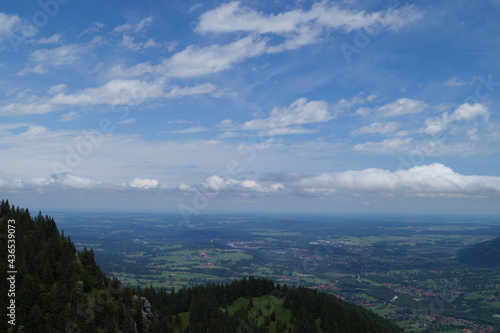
<point x="465" y="112"/>
<point x="300" y="27"/>
<point x="138" y="27"/>
<point x="37" y="69"/>
<point x="31" y="108"/>
<point x="286" y="131"/>
<point x="130" y="43"/>
<point x="377" y="128"/>
<point x="427" y="180"/>
<point x="128" y="121"/>
<point x="249" y="184"/>
<point x="217" y="183"/>
<point x="34" y="131"/>
<point x="199" y="61"/>
<point x="400" y="107"/>
<point x="284" y="120"/>
<point x="11" y="26"/>
<point x="470" y="111"/>
<point x="21" y="141"/>
<point x="55" y="181"/>
<point x="143" y="24"/>
<point x="349" y="20"/>
<point x="455" y="82"/>
<point x="94" y="27"/>
<point x="89" y="153"/>
<point x="144" y="183"/>
<point x="233" y="17"/>
<point x="473" y="144"/>
<point x="388" y="146"/>
<point x="195" y="61"/>
<point x="194" y="7"/>
<point x="12" y="126"/>
<point x="304" y="36"/>
<point x="8" y="23"/>
<point x="69" y="116"/>
<point x="298" y="113"/>
<point x="37" y="182"/>
<point x="433" y="180"/>
<point x="54" y="39"/>
<point x="185" y="187"/>
<point x="59" y="56"/>
<point x="57" y="89"/>
<point x="226" y="123"/>
<point x="7" y="184"/>
<point x="115" y="92"/>
<point x="472" y="134"/>
<point x="436" y="125"/>
<point x="72" y="181"/>
<point x="190" y="130"/>
<point x="205" y="88"/>
<point x="359" y="99"/>
<point x="277" y="187"/>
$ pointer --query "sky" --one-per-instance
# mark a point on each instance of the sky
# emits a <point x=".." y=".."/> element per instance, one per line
<point x="283" y="106"/>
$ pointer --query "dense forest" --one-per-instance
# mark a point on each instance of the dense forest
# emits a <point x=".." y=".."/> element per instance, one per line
<point x="59" y="289"/>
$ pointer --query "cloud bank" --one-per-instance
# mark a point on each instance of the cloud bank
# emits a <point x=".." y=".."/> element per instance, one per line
<point x="433" y="180"/>
<point x="426" y="180"/>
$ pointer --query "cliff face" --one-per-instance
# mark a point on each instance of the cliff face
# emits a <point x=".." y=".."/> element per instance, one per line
<point x="482" y="254"/>
<point x="54" y="288"/>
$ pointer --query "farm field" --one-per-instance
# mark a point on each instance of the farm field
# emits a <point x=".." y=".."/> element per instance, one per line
<point x="402" y="268"/>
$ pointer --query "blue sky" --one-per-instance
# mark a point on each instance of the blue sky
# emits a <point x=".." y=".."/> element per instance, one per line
<point x="192" y="107"/>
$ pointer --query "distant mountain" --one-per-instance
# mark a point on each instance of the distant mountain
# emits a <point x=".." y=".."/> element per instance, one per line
<point x="482" y="254"/>
<point x="54" y="288"/>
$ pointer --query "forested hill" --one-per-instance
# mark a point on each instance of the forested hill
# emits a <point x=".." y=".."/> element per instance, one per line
<point x="58" y="289"/>
<point x="482" y="254"/>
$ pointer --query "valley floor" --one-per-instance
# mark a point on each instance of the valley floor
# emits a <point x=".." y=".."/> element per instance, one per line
<point x="404" y="269"/>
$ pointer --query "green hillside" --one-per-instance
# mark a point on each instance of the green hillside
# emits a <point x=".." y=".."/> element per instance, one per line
<point x="482" y="254"/>
<point x="55" y="288"/>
